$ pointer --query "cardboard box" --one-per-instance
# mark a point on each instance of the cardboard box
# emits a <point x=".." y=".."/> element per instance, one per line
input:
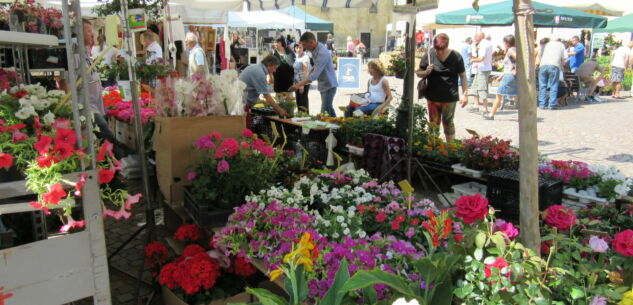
<point x="169" y="298"/>
<point x="126" y="134"/>
<point x="173" y="143"/>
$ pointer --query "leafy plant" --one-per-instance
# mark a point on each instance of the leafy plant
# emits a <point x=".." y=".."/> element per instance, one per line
<point x="353" y="131"/>
<point x="153" y="8"/>
<point x="149" y="72"/>
<point x="489" y="154"/>
<point x="398" y="63"/>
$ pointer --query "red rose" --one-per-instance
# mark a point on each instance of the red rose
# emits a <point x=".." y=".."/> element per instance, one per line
<point x="499" y="264"/>
<point x="559" y="217"/>
<point x="106" y="175"/>
<point x="55" y="194"/>
<point x="623" y="242"/>
<point x="471" y="208"/>
<point x="6" y="160"/>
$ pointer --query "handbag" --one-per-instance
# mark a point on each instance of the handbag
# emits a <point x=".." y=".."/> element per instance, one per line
<point x="423" y="84"/>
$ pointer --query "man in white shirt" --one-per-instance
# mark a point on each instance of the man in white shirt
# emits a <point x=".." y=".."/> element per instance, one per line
<point x="619" y="63"/>
<point x="197" y="60"/>
<point x="553" y="57"/>
<point x="483" y="63"/>
<point x="153" y="51"/>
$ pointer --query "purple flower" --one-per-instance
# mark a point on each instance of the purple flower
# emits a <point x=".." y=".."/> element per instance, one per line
<point x="191" y="176"/>
<point x="598" y="300"/>
<point x="204" y="143"/>
<point x="598" y="244"/>
<point x="507" y="228"/>
<point x="223" y="167"/>
<point x="410" y="232"/>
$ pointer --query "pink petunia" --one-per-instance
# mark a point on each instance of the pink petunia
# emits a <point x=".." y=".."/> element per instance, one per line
<point x="131" y="200"/>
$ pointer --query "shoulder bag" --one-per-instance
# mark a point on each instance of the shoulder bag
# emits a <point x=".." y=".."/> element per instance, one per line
<point x="423" y="84"/>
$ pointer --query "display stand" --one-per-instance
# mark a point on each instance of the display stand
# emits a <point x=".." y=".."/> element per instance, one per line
<point x="72" y="266"/>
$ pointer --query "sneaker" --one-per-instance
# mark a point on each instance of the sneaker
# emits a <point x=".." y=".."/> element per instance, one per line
<point x="597" y="99"/>
<point x="489" y="117"/>
<point x="553" y="108"/>
<point x="473" y="109"/>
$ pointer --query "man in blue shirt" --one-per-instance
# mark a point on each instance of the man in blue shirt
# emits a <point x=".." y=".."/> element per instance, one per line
<point x="254" y="76"/>
<point x="466" y="51"/>
<point x="577" y="56"/>
<point x="323" y="71"/>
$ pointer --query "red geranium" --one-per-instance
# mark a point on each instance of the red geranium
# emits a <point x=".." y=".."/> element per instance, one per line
<point x="241" y="266"/>
<point x="65" y="136"/>
<point x="55" y="194"/>
<point x="559" y="217"/>
<point x="106" y="175"/>
<point x="247" y="133"/>
<point x="471" y="208"/>
<point x="623" y="242"/>
<point x="6" y="160"/>
<point x="228" y="148"/>
<point x="168" y="274"/>
<point x="155" y="254"/>
<point x="204" y="270"/>
<point x="192" y="250"/>
<point x="188" y="233"/>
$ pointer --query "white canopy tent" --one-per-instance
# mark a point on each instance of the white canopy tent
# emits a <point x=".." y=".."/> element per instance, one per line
<point x="264" y="20"/>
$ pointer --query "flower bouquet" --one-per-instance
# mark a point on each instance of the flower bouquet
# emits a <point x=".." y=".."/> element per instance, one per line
<point x="489" y="154"/>
<point x="201" y="274"/>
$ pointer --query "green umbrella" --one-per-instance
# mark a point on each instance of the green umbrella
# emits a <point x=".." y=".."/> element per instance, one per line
<point x="619" y="25"/>
<point x="501" y="14"/>
<point x="312" y="22"/>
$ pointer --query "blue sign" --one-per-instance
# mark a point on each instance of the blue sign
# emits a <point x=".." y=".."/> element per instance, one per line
<point x="349" y="73"/>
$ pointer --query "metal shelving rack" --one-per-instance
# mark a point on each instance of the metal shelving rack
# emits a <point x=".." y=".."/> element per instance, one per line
<point x="73" y="266"/>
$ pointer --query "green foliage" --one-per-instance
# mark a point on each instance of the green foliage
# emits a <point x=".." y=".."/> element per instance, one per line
<point x="153" y="8"/>
<point x="353" y="130"/>
<point x="148" y="72"/>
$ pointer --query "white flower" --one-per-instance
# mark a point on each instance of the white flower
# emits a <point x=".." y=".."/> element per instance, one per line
<point x="25" y="113"/>
<point x="326" y="223"/>
<point x="48" y="119"/>
<point x="403" y="301"/>
<point x="346" y="231"/>
<point x="340" y="218"/>
<point x="344" y="225"/>
<point x="361" y="233"/>
<point x="25" y="102"/>
<point x="335" y="235"/>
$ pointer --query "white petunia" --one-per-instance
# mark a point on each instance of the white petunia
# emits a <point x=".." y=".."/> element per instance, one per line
<point x="25" y="113"/>
<point x="340" y="218"/>
<point x="48" y="119"/>
<point x="346" y="231"/>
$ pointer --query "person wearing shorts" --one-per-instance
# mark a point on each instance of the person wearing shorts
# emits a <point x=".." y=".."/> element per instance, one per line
<point x="442" y="73"/>
<point x="618" y="65"/>
<point x="508" y="86"/>
<point x="585" y="74"/>
<point x="484" y="61"/>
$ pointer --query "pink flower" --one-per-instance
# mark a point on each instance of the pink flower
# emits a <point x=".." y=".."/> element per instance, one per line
<point x="267" y="151"/>
<point x="245" y="145"/>
<point x="106" y="148"/>
<point x="19" y="136"/>
<point x="223" y="167"/>
<point x="560" y="217"/>
<point x="507" y="228"/>
<point x="191" y="176"/>
<point x="121" y="213"/>
<point x="598" y="244"/>
<point x="132" y="200"/>
<point x="39" y="206"/>
<point x="72" y="224"/>
<point x="410" y="232"/>
<point x="216" y="135"/>
<point x="80" y="184"/>
<point x="228" y="148"/>
<point x="623" y="242"/>
<point x="247" y="133"/>
<point x="205" y="142"/>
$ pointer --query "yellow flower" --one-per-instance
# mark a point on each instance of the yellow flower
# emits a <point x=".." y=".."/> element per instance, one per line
<point x="628" y="298"/>
<point x="303" y="253"/>
<point x="275" y="274"/>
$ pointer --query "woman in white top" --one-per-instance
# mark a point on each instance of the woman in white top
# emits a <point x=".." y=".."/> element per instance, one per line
<point x="378" y="92"/>
<point x="153" y="51"/>
<point x="302" y="70"/>
<point x="508" y="86"/>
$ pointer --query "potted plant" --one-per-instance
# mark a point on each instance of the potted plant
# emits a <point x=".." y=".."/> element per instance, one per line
<point x="487" y="154"/>
<point x="200" y="274"/>
<point x="228" y="170"/>
<point x="398" y="64"/>
<point x="437" y="152"/>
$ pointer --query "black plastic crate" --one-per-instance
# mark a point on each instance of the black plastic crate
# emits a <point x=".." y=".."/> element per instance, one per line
<point x="53" y="58"/>
<point x="206" y="215"/>
<point x="503" y="193"/>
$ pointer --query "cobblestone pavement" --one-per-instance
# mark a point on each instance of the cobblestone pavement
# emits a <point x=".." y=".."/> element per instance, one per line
<point x="593" y="133"/>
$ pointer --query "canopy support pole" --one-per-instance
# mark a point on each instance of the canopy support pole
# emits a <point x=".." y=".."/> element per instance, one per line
<point x="528" y="138"/>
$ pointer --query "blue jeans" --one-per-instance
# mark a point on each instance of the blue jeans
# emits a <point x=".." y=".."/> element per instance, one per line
<point x="327" y="99"/>
<point x="548" y="77"/>
<point x="367" y="109"/>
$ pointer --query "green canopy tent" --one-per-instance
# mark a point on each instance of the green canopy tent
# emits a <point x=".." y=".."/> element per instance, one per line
<point x="312" y="22"/>
<point x="501" y="14"/>
<point x="619" y="25"/>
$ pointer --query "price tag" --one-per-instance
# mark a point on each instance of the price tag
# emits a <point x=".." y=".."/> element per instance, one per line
<point x="408" y="189"/>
